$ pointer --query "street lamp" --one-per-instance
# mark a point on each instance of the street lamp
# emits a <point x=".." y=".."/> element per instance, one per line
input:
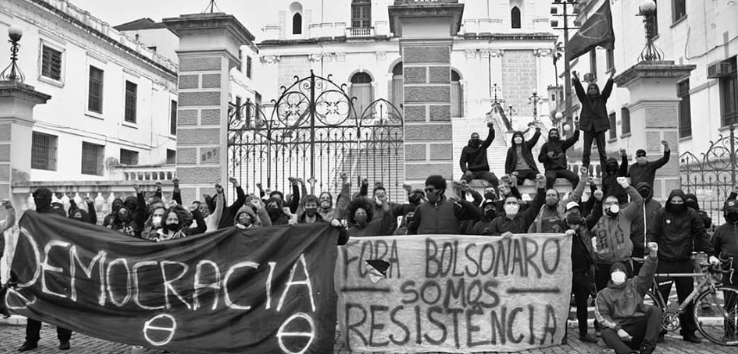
<point x="13" y="72"/>
<point x="647" y="9"/>
<point x="567" y="67"/>
<point x="534" y="99"/>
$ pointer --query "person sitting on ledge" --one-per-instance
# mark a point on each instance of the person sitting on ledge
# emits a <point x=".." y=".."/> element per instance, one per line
<point x="473" y="159"/>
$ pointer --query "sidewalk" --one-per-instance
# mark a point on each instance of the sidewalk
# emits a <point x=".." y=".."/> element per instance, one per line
<point x="12" y="336"/>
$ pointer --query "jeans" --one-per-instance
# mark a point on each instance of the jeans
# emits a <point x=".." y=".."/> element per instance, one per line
<point x="552" y="175"/>
<point x="33" y="332"/>
<point x="485" y="175"/>
<point x="684" y="286"/>
<point x="580" y="286"/>
<point x="525" y="174"/>
<point x="600" y="139"/>
<point x="644" y="330"/>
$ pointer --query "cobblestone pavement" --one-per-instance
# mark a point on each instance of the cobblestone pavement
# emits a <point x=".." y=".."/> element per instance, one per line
<point x="12" y="336"/>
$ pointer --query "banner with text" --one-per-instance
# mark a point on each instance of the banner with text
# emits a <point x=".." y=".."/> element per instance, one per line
<point x="453" y="293"/>
<point x="263" y="290"/>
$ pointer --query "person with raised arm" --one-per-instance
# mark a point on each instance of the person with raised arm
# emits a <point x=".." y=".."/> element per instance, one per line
<point x="593" y="121"/>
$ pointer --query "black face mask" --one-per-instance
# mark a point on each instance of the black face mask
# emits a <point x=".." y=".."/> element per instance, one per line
<point x="554" y="138"/>
<point x="645" y="193"/>
<point x="475" y="142"/>
<point x="172" y="227"/>
<point x="693" y="204"/>
<point x="732" y="217"/>
<point x="676" y="208"/>
<point x="490" y="196"/>
<point x="311" y="211"/>
<point x="490" y="214"/>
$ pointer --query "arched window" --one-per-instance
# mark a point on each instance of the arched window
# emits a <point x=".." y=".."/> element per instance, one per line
<point x="361" y="88"/>
<point x="515" y="17"/>
<point x="397" y="86"/>
<point x="297" y="24"/>
<point x="457" y="95"/>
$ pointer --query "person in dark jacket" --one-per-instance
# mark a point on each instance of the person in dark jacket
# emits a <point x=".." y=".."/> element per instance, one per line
<point x="519" y="159"/>
<point x="693" y="203"/>
<point x="42" y="198"/>
<point x="640" y="224"/>
<point x="117" y="203"/>
<point x="624" y="316"/>
<point x="174" y="226"/>
<point x="644" y="170"/>
<point x="277" y="214"/>
<point x="473" y="159"/>
<point x="582" y="261"/>
<point x="489" y="213"/>
<point x="679" y="230"/>
<point x="725" y="245"/>
<point x="229" y="212"/>
<point x="594" y="120"/>
<point x="611" y="172"/>
<point x="76" y="213"/>
<point x="360" y="217"/>
<point x="553" y="157"/>
<point x="439" y="215"/>
<point x="514" y="221"/>
<point x="130" y="217"/>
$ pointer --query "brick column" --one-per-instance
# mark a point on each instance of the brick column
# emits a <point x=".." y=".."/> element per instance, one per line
<point x="654" y="115"/>
<point x="209" y="48"/>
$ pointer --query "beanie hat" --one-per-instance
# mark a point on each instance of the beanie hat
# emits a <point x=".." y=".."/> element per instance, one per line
<point x="618" y="266"/>
<point x="640" y="152"/>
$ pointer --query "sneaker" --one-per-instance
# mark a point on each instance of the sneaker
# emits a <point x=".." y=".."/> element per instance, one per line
<point x="587" y="338"/>
<point x="692" y="338"/>
<point x="28" y="346"/>
<point x="64" y="345"/>
<point x="646" y="350"/>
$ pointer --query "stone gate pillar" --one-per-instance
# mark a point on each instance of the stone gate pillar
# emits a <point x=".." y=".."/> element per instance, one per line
<point x="654" y="115"/>
<point x="209" y="47"/>
<point x="425" y="30"/>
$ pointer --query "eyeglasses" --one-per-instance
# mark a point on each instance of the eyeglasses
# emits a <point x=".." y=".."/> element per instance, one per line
<point x="431" y="190"/>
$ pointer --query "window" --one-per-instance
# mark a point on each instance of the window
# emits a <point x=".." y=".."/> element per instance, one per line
<point x="625" y="120"/>
<point x="43" y="152"/>
<point x="128" y="157"/>
<point x="248" y="67"/>
<point x="361" y="88"/>
<point x="51" y="63"/>
<point x="457" y="96"/>
<point x="361" y="14"/>
<point x="297" y="24"/>
<point x="257" y="99"/>
<point x="656" y="19"/>
<point x="173" y="118"/>
<point x="685" y="109"/>
<point x="729" y="94"/>
<point x="610" y="59"/>
<point x="515" y="17"/>
<point x="397" y="86"/>
<point x="95" y="94"/>
<point x="171" y="157"/>
<point x="131" y="93"/>
<point x="593" y="62"/>
<point x="613" y="125"/>
<point x="678" y="10"/>
<point x="92" y="159"/>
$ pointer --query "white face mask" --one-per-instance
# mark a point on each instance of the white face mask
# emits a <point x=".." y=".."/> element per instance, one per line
<point x="617" y="277"/>
<point x="511" y="209"/>
<point x="156" y="221"/>
<point x="518" y="141"/>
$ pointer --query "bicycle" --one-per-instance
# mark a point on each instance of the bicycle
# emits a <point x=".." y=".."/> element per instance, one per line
<point x="709" y="291"/>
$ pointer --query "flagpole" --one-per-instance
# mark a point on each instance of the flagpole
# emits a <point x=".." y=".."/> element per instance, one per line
<point x="567" y="71"/>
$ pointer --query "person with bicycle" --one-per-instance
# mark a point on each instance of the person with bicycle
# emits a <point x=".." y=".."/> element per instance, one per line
<point x="679" y="231"/>
<point x="725" y="245"/>
<point x="629" y="325"/>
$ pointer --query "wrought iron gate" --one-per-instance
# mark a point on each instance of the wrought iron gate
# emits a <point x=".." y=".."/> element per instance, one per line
<point x="712" y="176"/>
<point x="313" y="132"/>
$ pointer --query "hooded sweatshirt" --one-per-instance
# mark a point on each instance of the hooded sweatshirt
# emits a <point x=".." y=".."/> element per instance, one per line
<point x="558" y="147"/>
<point x="593" y="116"/>
<point x="647" y="172"/>
<point x="474" y="158"/>
<point x="610" y="185"/>
<point x="263" y="219"/>
<point x="229" y="212"/>
<point x="678" y="233"/>
<point x="693" y="203"/>
<point x="117" y="203"/>
<point x="620" y="305"/>
<point x="522" y="220"/>
<point x="613" y="232"/>
<point x="638" y="227"/>
<point x="526" y="147"/>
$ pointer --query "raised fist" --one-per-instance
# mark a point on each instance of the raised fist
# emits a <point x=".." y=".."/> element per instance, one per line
<point x="583" y="170"/>
<point x="344" y="176"/>
<point x="218" y="188"/>
<point x="292" y="180"/>
<point x="540" y="178"/>
<point x="158" y="183"/>
<point x="258" y="185"/>
<point x="622" y="182"/>
<point x="88" y="200"/>
<point x="136" y="187"/>
<point x="174" y="181"/>
<point x="256" y="202"/>
<point x="590" y="180"/>
<point x="490" y="124"/>
<point x="6" y="204"/>
<point x="550" y="154"/>
<point x="665" y="144"/>
<point x="653" y="247"/>
<point x="598" y="195"/>
<point x="622" y="152"/>
<point x="507" y="235"/>
<point x="365" y="181"/>
<point x="407" y="187"/>
<point x="233" y="181"/>
<point x="300" y="181"/>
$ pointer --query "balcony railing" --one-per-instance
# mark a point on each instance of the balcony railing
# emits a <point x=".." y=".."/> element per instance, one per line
<point x="143" y="172"/>
<point x="359" y="32"/>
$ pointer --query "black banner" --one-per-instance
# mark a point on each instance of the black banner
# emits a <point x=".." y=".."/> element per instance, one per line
<point x="596" y="31"/>
<point x="263" y="290"/>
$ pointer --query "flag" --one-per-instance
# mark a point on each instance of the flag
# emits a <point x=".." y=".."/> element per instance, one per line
<point x="596" y="31"/>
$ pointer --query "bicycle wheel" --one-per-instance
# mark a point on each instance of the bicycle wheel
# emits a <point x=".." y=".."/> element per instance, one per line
<point x="650" y="299"/>
<point x="716" y="315"/>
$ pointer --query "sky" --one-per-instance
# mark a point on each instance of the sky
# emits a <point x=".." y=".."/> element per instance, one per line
<point x="116" y="12"/>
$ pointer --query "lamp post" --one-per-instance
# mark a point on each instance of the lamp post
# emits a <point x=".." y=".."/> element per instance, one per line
<point x="567" y="67"/>
<point x="647" y="9"/>
<point x="13" y="72"/>
<point x="534" y="99"/>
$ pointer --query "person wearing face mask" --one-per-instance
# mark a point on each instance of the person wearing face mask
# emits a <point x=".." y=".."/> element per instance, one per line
<point x="473" y="160"/>
<point x="610" y="175"/>
<point x="725" y="245"/>
<point x="679" y="231"/>
<point x="130" y="218"/>
<point x="629" y="325"/>
<point x="515" y="221"/>
<point x="108" y="220"/>
<point x="553" y="157"/>
<point x="549" y="218"/>
<point x="251" y="215"/>
<point x="439" y="215"/>
<point x="173" y="227"/>
<point x="582" y="261"/>
<point x="692" y="202"/>
<point x="594" y="121"/>
<point x="489" y="211"/>
<point x="645" y="171"/>
<point x="611" y="239"/>
<point x="362" y="222"/>
<point x="310" y="211"/>
<point x="640" y="224"/>
<point x="76" y="213"/>
<point x="520" y="158"/>
<point x="154" y="224"/>
<point x="507" y="188"/>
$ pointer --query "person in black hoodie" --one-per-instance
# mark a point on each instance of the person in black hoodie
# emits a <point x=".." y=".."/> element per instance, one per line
<point x="42" y="198"/>
<point x="640" y="225"/>
<point x="473" y="159"/>
<point x="229" y="212"/>
<point x="520" y="158"/>
<point x="553" y="157"/>
<point x="611" y="172"/>
<point x="725" y="245"/>
<point x="679" y="230"/>
<point x="644" y="170"/>
<point x="693" y="203"/>
<point x="117" y="203"/>
<point x="75" y="213"/>
<point x="594" y="120"/>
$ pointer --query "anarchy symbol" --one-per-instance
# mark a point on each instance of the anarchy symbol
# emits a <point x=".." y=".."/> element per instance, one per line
<point x="153" y="326"/>
<point x="281" y="333"/>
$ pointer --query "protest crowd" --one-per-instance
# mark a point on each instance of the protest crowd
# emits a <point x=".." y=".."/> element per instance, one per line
<point x="620" y="235"/>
